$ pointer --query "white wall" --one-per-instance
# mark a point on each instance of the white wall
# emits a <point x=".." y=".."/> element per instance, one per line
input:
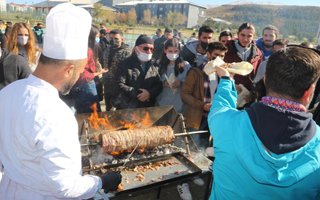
<point x="193" y="16"/>
<point x="3" y="6"/>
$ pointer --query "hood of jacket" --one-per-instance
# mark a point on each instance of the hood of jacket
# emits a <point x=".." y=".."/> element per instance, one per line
<point x="192" y="46"/>
<point x="288" y="146"/>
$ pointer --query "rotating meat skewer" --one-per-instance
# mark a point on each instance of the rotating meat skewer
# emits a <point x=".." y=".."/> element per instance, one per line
<point x="137" y="143"/>
<point x="89" y="143"/>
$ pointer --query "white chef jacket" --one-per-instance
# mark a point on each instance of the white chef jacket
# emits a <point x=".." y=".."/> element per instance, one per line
<point x="1" y="171"/>
<point x="39" y="146"/>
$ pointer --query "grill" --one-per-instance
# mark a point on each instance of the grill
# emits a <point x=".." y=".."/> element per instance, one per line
<point x="140" y="168"/>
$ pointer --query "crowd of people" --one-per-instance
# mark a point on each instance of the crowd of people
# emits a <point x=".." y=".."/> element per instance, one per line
<point x="265" y="139"/>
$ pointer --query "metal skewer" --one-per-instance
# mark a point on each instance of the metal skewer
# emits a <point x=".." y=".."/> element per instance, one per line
<point x="189" y="133"/>
<point x="135" y="148"/>
<point x="177" y="135"/>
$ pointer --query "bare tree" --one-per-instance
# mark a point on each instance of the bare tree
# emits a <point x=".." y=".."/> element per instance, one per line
<point x="132" y="17"/>
<point x="110" y="16"/>
<point x="175" y="18"/>
<point x="155" y="21"/>
<point x="147" y="18"/>
<point x="122" y="17"/>
<point x="98" y="12"/>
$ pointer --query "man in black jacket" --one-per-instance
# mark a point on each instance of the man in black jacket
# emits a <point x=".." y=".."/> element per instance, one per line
<point x="12" y="67"/>
<point x="113" y="55"/>
<point x="138" y="80"/>
<point x="159" y="43"/>
<point x="195" y="51"/>
<point x="3" y="39"/>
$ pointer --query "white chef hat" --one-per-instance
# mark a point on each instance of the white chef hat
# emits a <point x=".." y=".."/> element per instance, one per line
<point x="67" y="32"/>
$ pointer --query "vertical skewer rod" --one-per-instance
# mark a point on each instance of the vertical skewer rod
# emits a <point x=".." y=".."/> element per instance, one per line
<point x="186" y="141"/>
<point x="189" y="134"/>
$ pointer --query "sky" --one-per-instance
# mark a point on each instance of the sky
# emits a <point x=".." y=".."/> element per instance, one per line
<point x="221" y="2"/>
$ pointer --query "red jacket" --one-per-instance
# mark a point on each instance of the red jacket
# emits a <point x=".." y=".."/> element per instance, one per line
<point x="255" y="59"/>
<point x="90" y="68"/>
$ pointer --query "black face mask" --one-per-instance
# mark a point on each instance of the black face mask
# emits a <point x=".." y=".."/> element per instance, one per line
<point x="204" y="45"/>
<point x="181" y="70"/>
<point x="115" y="43"/>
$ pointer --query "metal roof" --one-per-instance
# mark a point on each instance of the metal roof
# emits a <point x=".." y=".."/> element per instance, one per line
<point x="53" y="3"/>
<point x="136" y="2"/>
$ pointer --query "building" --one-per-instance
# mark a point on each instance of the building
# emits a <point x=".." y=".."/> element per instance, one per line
<point x="13" y="7"/>
<point x="45" y="6"/>
<point x="112" y="3"/>
<point x="160" y="8"/>
<point x="3" y="6"/>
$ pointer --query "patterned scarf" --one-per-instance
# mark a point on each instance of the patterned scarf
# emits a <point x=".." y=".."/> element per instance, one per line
<point x="283" y="104"/>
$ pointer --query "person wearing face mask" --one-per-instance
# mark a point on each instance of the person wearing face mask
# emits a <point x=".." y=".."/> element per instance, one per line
<point x="197" y="94"/>
<point x="3" y="42"/>
<point x="159" y="43"/>
<point x="85" y="92"/>
<point x="195" y="51"/>
<point x="173" y="71"/>
<point x="113" y="55"/>
<point x="104" y="38"/>
<point x="39" y="32"/>
<point x="21" y="40"/>
<point x="137" y="78"/>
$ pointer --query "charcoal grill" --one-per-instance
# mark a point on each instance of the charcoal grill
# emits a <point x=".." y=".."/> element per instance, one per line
<point x="159" y="165"/>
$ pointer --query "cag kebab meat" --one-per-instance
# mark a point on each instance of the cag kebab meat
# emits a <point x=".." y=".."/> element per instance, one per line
<point x="126" y="140"/>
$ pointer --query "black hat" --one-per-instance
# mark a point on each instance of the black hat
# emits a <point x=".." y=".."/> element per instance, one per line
<point x="103" y="31"/>
<point x="143" y="39"/>
<point x="167" y="30"/>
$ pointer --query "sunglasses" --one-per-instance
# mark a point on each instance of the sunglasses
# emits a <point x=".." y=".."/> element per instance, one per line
<point x="147" y="49"/>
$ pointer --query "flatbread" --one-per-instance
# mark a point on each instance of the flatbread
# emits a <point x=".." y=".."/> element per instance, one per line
<point x="209" y="67"/>
<point x="242" y="68"/>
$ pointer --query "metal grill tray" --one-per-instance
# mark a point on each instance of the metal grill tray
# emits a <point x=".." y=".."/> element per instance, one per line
<point x="163" y="175"/>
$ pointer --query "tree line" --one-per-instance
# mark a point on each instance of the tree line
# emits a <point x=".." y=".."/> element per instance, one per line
<point x="299" y="21"/>
<point x="130" y="18"/>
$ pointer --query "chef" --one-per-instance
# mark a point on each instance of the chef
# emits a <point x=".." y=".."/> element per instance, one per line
<point x="39" y="146"/>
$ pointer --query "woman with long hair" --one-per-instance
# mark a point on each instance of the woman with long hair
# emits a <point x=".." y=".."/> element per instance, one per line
<point x="173" y="70"/>
<point x="21" y="40"/>
<point x="85" y="92"/>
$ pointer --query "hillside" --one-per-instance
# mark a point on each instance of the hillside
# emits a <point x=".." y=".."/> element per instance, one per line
<point x="301" y="21"/>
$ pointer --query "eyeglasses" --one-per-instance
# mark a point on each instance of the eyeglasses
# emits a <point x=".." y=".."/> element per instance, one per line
<point x="147" y="49"/>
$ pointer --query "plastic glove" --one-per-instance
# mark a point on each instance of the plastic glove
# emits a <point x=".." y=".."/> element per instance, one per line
<point x="110" y="181"/>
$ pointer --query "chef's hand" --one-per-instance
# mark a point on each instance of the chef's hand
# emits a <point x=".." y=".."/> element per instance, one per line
<point x="144" y="95"/>
<point x="110" y="181"/>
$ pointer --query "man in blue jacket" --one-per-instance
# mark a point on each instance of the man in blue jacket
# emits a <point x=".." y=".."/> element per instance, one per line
<point x="271" y="150"/>
<point x="269" y="35"/>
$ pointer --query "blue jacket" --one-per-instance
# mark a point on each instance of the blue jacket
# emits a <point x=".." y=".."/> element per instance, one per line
<point x="244" y="168"/>
<point x="266" y="53"/>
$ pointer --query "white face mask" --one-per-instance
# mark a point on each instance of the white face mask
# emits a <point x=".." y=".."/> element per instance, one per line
<point x="172" y="56"/>
<point x="144" y="57"/>
<point x="23" y="40"/>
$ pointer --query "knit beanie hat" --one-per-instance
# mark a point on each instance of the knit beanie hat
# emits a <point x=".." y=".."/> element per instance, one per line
<point x="143" y="39"/>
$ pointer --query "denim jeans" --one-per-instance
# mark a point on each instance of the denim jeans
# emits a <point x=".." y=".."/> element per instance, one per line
<point x="85" y="95"/>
